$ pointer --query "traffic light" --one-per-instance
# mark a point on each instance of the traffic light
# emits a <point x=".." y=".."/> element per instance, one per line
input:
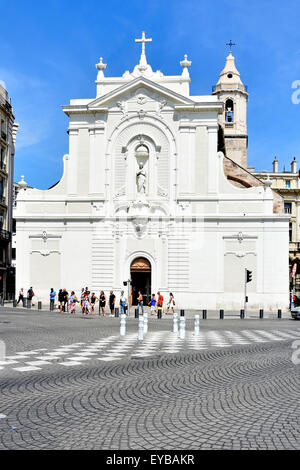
<point x="249" y="276"/>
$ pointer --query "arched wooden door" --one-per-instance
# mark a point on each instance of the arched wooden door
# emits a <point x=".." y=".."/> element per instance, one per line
<point x="140" y="273"/>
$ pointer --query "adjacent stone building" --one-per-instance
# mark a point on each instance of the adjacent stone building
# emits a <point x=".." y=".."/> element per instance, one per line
<point x="287" y="184"/>
<point x="8" y="131"/>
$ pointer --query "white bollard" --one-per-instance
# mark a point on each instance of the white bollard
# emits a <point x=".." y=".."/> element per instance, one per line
<point x="196" y="325"/>
<point x="175" y="323"/>
<point x="145" y="316"/>
<point x="122" y="325"/>
<point x="182" y="328"/>
<point x="141" y="329"/>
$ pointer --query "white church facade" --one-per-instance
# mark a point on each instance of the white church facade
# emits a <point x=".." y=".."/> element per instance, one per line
<point x="144" y="196"/>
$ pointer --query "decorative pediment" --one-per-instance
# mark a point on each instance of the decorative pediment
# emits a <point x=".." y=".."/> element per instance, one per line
<point x="142" y="90"/>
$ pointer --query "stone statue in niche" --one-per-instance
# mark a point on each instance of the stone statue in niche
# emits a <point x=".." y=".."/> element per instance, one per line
<point x="141" y="180"/>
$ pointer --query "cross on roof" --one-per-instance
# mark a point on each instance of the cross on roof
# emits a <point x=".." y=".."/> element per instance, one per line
<point x="230" y="44"/>
<point x="143" y="41"/>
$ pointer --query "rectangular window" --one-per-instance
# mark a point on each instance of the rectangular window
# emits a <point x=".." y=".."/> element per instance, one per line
<point x="288" y="184"/>
<point x="3" y="130"/>
<point x="13" y="253"/>
<point x="1" y="190"/>
<point x="2" y="156"/>
<point x="291" y="231"/>
<point x="287" y="207"/>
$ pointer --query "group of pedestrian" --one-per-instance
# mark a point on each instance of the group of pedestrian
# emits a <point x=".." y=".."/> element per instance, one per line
<point x="87" y="301"/>
<point x="29" y="297"/>
<point x="157" y="305"/>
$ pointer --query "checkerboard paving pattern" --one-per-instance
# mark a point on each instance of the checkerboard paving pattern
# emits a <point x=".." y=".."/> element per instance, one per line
<point x="116" y="348"/>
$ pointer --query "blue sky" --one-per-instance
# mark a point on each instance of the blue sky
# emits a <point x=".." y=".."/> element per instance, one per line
<point x="48" y="52"/>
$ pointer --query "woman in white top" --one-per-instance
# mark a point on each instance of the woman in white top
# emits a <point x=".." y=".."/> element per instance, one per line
<point x="123" y="303"/>
<point x="171" y="303"/>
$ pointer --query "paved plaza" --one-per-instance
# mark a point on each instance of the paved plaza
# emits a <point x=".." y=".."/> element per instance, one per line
<point x="71" y="382"/>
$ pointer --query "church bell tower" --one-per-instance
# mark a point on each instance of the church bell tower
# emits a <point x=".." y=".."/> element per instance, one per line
<point x="233" y="93"/>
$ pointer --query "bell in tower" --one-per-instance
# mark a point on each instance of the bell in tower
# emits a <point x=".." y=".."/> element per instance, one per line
<point x="234" y="95"/>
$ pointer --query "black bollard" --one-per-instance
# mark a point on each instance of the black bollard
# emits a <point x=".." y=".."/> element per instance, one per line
<point x="2" y="301"/>
<point x="14" y="303"/>
<point x="242" y="315"/>
<point x="279" y="314"/>
<point x="39" y="305"/>
<point x="159" y="314"/>
<point x="136" y="313"/>
<point x="28" y="303"/>
<point x="51" y="306"/>
<point x="204" y="314"/>
<point x="24" y="303"/>
<point x="221" y="314"/>
<point x="116" y="312"/>
<point x="182" y="313"/>
<point x="261" y="314"/>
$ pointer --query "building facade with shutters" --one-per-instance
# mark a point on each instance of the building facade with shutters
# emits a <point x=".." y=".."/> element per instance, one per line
<point x="287" y="184"/>
<point x="145" y="196"/>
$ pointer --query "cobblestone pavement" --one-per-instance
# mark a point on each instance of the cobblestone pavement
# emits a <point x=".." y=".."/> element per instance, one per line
<point x="233" y="387"/>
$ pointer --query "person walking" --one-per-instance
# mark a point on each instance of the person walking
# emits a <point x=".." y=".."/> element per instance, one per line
<point x="52" y="298"/>
<point x="152" y="304"/>
<point x="30" y="295"/>
<point x="171" y="304"/>
<point x="65" y="296"/>
<point x="112" y="300"/>
<point x="123" y="303"/>
<point x="160" y="303"/>
<point x="72" y="302"/>
<point x="102" y="300"/>
<point x="21" y="295"/>
<point x="93" y="301"/>
<point x="60" y="299"/>
<point x="82" y="297"/>
<point x="140" y="300"/>
<point x="86" y="304"/>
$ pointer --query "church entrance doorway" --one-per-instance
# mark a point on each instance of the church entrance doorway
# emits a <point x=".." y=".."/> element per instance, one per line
<point x="140" y="273"/>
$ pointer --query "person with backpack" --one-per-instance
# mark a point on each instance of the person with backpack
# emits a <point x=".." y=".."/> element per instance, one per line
<point x="30" y="295"/>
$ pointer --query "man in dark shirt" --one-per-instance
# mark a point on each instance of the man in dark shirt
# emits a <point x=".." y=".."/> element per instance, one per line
<point x="65" y="296"/>
<point x="112" y="300"/>
<point x="30" y="295"/>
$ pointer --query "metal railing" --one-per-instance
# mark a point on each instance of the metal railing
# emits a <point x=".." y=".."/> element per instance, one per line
<point x="6" y="104"/>
<point x="229" y="86"/>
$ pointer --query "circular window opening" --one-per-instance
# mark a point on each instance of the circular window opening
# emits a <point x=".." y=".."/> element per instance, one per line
<point x="229" y="75"/>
